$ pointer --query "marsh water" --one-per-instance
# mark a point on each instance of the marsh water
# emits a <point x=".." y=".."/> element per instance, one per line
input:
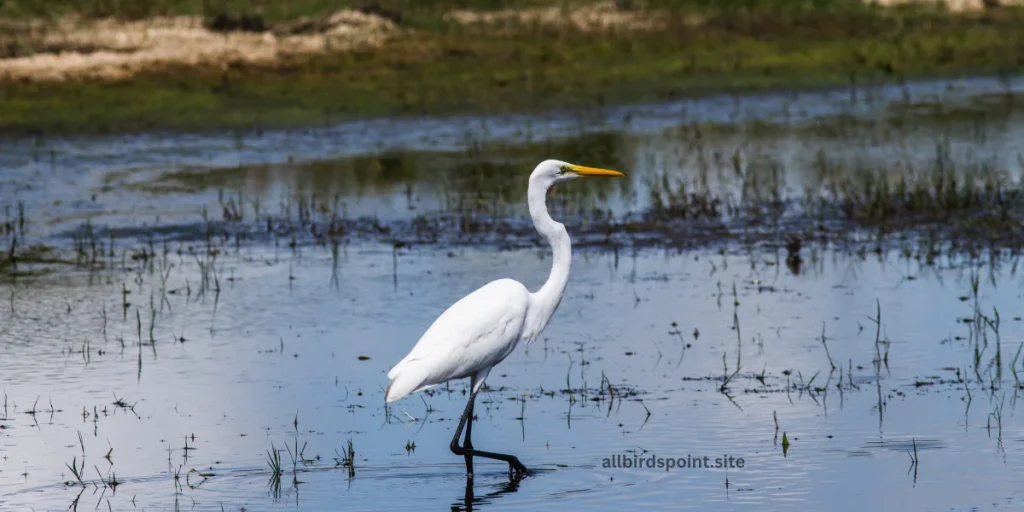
<point x="206" y="301"/>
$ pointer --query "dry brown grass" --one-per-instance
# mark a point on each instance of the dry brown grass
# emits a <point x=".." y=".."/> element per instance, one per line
<point x="114" y="49"/>
<point x="75" y="48"/>
<point x="952" y="5"/>
<point x="598" y="17"/>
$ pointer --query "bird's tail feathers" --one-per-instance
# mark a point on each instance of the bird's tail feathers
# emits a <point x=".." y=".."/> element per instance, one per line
<point x="403" y="385"/>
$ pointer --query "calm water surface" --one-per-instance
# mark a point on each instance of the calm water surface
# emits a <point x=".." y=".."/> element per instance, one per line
<point x="145" y="371"/>
<point x="269" y="349"/>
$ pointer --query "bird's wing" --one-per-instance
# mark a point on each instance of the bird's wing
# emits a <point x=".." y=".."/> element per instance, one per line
<point x="475" y="333"/>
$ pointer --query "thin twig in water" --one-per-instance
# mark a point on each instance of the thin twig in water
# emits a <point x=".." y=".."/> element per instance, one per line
<point x="823" y="338"/>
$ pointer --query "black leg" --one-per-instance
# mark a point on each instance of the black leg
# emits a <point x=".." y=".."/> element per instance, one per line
<point x="468" y="443"/>
<point x="456" y="449"/>
<point x="515" y="468"/>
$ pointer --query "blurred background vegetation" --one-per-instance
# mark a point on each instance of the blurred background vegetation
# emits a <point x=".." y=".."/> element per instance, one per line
<point x="534" y="55"/>
<point x="424" y="10"/>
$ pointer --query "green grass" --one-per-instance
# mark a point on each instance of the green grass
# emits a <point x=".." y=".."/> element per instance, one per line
<point x="451" y="69"/>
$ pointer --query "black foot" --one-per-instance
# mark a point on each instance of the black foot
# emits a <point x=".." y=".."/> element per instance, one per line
<point x="516" y="469"/>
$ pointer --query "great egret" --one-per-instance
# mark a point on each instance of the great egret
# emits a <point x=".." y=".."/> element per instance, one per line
<point x="482" y="328"/>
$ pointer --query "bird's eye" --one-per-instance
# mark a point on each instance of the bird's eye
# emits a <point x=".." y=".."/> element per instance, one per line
<point x="563" y="169"/>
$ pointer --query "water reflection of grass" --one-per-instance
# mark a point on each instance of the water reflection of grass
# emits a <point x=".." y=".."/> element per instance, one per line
<point x="482" y="190"/>
<point x="441" y="66"/>
<point x="702" y="178"/>
<point x="487" y="178"/>
<point x="939" y="179"/>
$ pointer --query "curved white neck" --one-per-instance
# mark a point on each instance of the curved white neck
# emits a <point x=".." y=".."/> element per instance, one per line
<point x="546" y="300"/>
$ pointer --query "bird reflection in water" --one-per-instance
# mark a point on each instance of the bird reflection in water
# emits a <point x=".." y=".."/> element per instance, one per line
<point x="471" y="502"/>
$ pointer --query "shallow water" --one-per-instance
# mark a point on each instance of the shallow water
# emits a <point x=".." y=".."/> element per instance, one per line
<point x="396" y="170"/>
<point x="268" y="349"/>
<point x="178" y="369"/>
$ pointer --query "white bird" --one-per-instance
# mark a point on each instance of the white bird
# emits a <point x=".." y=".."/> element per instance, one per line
<point x="483" y="328"/>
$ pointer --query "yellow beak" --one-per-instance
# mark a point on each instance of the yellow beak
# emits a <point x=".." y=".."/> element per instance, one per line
<point x="594" y="171"/>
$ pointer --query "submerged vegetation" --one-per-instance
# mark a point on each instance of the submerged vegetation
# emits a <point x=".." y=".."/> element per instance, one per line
<point x="447" y="57"/>
<point x="726" y="186"/>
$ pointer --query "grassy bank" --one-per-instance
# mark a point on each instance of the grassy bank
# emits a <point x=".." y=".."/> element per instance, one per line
<point x="437" y="65"/>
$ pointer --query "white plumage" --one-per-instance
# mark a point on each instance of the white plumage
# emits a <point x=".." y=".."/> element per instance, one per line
<point x="483" y="328"/>
<point x="467" y="340"/>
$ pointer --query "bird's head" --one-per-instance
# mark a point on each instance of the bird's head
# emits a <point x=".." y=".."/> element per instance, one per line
<point x="550" y="172"/>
